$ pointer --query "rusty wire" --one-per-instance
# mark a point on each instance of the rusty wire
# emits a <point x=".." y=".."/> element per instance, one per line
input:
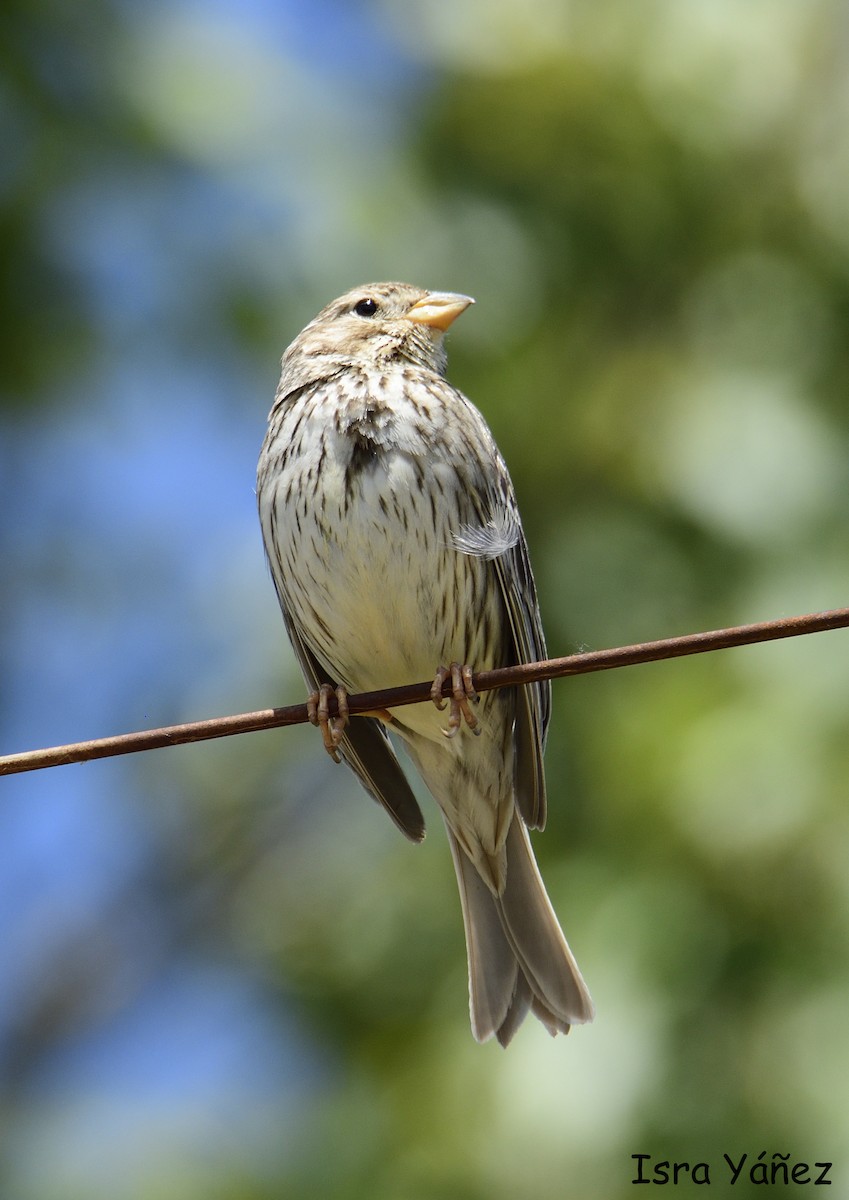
<point x="483" y="681"/>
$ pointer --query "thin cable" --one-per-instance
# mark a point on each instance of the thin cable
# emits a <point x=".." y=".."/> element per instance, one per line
<point x="483" y="681"/>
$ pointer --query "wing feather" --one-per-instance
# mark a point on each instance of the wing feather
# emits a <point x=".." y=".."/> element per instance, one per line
<point x="533" y="701"/>
<point x="501" y="540"/>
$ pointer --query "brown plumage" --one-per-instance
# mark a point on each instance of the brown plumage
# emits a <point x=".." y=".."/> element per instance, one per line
<point x="396" y="547"/>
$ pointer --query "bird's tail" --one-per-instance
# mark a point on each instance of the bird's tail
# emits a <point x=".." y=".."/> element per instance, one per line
<point x="518" y="956"/>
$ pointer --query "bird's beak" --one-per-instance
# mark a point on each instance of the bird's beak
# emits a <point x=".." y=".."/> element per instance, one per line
<point x="439" y="309"/>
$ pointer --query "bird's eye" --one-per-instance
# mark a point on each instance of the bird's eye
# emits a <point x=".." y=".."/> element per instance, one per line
<point x="366" y="307"/>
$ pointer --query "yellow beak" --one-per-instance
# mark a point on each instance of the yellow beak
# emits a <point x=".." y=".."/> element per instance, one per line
<point x="439" y="309"/>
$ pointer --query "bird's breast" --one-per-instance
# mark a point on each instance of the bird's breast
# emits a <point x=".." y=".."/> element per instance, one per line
<point x="362" y="512"/>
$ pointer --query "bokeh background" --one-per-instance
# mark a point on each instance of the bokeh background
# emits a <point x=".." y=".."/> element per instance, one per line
<point x="223" y="974"/>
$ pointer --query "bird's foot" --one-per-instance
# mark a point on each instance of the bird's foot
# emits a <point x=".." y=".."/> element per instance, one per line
<point x="461" y="693"/>
<point x="318" y="710"/>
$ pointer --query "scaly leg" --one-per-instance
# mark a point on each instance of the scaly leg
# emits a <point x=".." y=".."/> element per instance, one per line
<point x="318" y="710"/>
<point x="461" y="693"/>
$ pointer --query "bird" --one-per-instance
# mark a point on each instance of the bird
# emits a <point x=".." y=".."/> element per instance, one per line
<point x="394" y="541"/>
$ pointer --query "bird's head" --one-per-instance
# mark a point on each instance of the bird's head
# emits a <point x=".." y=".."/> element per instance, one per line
<point x="373" y="326"/>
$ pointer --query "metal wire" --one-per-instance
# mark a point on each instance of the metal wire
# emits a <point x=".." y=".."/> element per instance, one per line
<point x="483" y="681"/>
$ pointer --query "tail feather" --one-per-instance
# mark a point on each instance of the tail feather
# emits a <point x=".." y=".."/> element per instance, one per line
<point x="536" y="938"/>
<point x="518" y="956"/>
<point x="493" y="969"/>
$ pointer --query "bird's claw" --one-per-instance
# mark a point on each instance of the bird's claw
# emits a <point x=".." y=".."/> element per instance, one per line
<point x="318" y="711"/>
<point x="461" y="693"/>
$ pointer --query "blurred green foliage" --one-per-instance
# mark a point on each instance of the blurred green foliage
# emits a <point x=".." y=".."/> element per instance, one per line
<point x="648" y="202"/>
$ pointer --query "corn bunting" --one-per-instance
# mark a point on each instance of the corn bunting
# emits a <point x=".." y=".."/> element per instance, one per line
<point x="396" y="548"/>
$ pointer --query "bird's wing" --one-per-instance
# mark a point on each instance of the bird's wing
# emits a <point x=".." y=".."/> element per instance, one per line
<point x="366" y="749"/>
<point x="499" y="538"/>
<point x="533" y="702"/>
